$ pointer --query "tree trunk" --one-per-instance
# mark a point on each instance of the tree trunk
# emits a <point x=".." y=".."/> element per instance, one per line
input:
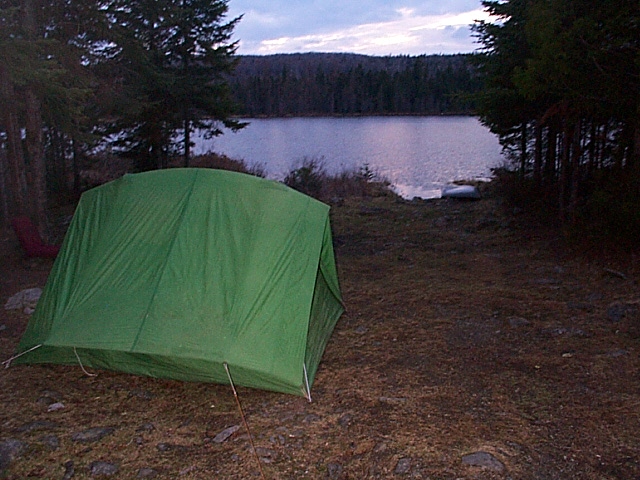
<point x="15" y="180"/>
<point x="576" y="155"/>
<point x="537" y="160"/>
<point x="187" y="142"/>
<point x="36" y="172"/>
<point x="523" y="149"/>
<point x="37" y="168"/>
<point x="551" y="154"/>
<point x="565" y="174"/>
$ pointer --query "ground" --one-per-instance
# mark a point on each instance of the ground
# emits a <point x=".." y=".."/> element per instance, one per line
<point x="474" y="346"/>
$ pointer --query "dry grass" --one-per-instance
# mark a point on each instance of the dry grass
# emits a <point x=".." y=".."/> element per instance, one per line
<point x="465" y="331"/>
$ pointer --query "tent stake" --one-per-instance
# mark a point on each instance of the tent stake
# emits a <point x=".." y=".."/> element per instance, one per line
<point x="244" y="420"/>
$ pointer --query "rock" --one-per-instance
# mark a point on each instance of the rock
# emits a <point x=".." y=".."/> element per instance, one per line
<point x="403" y="466"/>
<point x="146" y="472"/>
<point x="10" y="449"/>
<point x="51" y="441"/>
<point x="393" y="400"/>
<point x="345" y="420"/>
<point x="566" y="331"/>
<point x="69" y="470"/>
<point x="142" y="394"/>
<point x="103" y="469"/>
<point x="515" y="322"/>
<point x="483" y="459"/>
<point x="38" y="425"/>
<point x="146" y="427"/>
<point x="25" y="299"/>
<point x="266" y="455"/>
<point x="310" y="418"/>
<point x="334" y="470"/>
<point x="225" y="434"/>
<point x="92" y="434"/>
<point x="48" y="397"/>
<point x="55" y="406"/>
<point x="617" y="353"/>
<point x="168" y="447"/>
<point x="617" y="311"/>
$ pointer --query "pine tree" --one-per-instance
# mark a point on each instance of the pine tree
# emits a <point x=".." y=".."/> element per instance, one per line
<point x="169" y="75"/>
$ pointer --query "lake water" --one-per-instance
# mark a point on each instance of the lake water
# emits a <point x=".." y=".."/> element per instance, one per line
<point x="418" y="155"/>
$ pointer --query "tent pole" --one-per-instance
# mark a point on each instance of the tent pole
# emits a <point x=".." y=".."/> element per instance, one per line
<point x="244" y="420"/>
<point x="7" y="362"/>
<point x="307" y="393"/>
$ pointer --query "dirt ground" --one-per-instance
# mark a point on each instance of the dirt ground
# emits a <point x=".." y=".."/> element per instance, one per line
<point x="473" y="347"/>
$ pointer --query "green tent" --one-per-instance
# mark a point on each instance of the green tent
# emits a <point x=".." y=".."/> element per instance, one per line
<point x="176" y="273"/>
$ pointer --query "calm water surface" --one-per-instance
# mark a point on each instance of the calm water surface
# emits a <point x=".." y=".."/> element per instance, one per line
<point x="419" y="155"/>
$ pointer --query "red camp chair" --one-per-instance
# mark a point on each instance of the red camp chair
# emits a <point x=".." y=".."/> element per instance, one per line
<point x="30" y="239"/>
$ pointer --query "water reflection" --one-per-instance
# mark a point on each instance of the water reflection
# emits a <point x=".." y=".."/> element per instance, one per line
<point x="418" y="155"/>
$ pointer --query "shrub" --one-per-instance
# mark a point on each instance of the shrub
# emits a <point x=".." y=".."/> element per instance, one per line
<point x="311" y="178"/>
<point x="223" y="162"/>
<point x="308" y="178"/>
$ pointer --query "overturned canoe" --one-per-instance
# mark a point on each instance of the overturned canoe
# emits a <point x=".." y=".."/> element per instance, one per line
<point x="461" y="191"/>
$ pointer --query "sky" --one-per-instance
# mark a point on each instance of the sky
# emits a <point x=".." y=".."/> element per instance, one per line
<point x="377" y="27"/>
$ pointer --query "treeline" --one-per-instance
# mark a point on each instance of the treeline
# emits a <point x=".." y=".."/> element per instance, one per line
<point x="562" y="90"/>
<point x="350" y="84"/>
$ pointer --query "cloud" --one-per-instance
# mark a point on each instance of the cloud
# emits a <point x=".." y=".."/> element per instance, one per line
<point x="406" y="31"/>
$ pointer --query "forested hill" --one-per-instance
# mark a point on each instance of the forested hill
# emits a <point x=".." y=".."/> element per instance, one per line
<point x="352" y="84"/>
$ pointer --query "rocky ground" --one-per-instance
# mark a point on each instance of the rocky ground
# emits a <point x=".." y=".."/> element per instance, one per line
<point x="473" y="347"/>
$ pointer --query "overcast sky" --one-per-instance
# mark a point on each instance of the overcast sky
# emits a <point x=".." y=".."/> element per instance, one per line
<point x="378" y="27"/>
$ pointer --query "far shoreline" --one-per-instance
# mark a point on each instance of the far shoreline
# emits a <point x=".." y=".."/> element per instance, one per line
<point x="354" y="115"/>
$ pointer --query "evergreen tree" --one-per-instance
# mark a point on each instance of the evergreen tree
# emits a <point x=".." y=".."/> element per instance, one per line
<point x="571" y="70"/>
<point x="41" y="86"/>
<point x="168" y="74"/>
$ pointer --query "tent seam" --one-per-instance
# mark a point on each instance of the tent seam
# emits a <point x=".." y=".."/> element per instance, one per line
<point x="164" y="266"/>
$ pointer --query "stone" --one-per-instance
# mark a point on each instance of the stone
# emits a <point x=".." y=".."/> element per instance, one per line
<point x="51" y="441"/>
<point x="38" y="425"/>
<point x="146" y="472"/>
<point x="403" y="466"/>
<point x="69" y="470"/>
<point x="10" y="449"/>
<point x="225" y="434"/>
<point x="334" y="470"/>
<point x="25" y="299"/>
<point x="55" y="406"/>
<point x="142" y="394"/>
<point x="483" y="459"/>
<point x="103" y="469"/>
<point x="146" y="427"/>
<point x="345" y="420"/>
<point x="516" y="322"/>
<point x="617" y="311"/>
<point x="92" y="434"/>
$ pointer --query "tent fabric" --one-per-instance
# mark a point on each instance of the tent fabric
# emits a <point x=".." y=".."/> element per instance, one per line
<point x="174" y="273"/>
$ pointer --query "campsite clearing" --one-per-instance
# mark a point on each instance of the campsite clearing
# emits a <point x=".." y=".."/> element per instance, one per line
<point x="473" y="346"/>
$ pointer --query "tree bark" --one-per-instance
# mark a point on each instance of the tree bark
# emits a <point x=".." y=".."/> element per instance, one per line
<point x="36" y="173"/>
<point x="15" y="181"/>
